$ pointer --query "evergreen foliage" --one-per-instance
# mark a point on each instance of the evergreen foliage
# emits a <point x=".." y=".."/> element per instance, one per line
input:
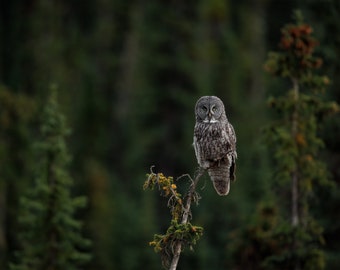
<point x="129" y="73"/>
<point x="181" y="233"/>
<point x="17" y="112"/>
<point x="296" y="145"/>
<point x="270" y="242"/>
<point x="283" y="233"/>
<point x="50" y="234"/>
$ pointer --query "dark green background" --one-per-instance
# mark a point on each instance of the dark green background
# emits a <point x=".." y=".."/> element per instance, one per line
<point x="129" y="74"/>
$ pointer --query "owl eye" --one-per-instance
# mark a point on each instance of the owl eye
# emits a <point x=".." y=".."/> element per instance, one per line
<point x="214" y="109"/>
<point x="205" y="109"/>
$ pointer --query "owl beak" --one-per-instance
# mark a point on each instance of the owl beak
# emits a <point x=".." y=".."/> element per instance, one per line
<point x="211" y="118"/>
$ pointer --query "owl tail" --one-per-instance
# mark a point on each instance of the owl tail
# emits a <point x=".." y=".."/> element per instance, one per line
<point x="219" y="175"/>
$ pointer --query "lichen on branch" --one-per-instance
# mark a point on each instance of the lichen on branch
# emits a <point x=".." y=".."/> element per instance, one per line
<point x="181" y="233"/>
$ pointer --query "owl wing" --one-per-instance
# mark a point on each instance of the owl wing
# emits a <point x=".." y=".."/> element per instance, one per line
<point x="221" y="168"/>
<point x="199" y="156"/>
<point x="197" y="149"/>
<point x="224" y="170"/>
<point x="232" y="153"/>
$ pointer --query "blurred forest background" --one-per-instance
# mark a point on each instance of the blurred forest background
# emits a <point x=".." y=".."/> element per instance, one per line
<point x="129" y="74"/>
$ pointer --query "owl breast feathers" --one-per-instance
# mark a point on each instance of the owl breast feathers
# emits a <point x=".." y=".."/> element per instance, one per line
<point x="215" y="143"/>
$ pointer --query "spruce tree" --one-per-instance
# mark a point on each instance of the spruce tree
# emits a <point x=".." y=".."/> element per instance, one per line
<point x="50" y="234"/>
<point x="296" y="144"/>
<point x="284" y="233"/>
<point x="17" y="112"/>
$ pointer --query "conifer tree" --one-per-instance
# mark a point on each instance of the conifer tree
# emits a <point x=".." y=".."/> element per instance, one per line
<point x="181" y="233"/>
<point x="50" y="234"/>
<point x="17" y="112"/>
<point x="296" y="145"/>
<point x="284" y="234"/>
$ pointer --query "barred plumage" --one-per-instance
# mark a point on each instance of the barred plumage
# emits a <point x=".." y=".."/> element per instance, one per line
<point x="215" y="143"/>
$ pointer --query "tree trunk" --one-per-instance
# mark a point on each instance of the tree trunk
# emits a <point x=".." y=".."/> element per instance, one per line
<point x="178" y="247"/>
<point x="294" y="173"/>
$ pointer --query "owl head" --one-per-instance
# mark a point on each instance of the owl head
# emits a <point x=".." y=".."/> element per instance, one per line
<point x="210" y="109"/>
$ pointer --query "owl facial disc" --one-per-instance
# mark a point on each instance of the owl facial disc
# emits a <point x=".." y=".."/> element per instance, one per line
<point x="210" y="118"/>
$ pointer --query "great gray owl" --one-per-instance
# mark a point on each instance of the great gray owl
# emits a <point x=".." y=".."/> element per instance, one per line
<point x="215" y="143"/>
